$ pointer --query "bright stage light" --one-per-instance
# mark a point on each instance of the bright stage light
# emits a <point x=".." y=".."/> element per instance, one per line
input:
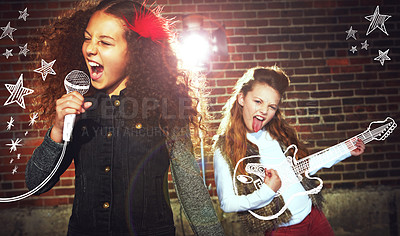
<point x="194" y="50"/>
<point x="196" y="46"/>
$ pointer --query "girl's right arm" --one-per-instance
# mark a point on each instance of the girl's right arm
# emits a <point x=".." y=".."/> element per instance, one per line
<point x="43" y="161"/>
<point x="45" y="157"/>
<point x="231" y="202"/>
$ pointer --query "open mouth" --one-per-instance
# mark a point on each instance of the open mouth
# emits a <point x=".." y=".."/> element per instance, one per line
<point x="96" y="70"/>
<point x="257" y="123"/>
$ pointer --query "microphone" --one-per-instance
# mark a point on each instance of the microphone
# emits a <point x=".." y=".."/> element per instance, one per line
<point x="79" y="81"/>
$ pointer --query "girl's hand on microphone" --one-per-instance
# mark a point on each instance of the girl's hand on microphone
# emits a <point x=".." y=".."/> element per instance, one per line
<point x="71" y="103"/>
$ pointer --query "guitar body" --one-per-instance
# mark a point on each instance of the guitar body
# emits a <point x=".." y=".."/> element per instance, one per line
<point x="290" y="170"/>
<point x="285" y="171"/>
<point x="291" y="189"/>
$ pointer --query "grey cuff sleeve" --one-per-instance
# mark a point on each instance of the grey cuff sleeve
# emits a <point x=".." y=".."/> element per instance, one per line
<point x="191" y="192"/>
<point x="42" y="162"/>
<point x="195" y="199"/>
<point x="46" y="155"/>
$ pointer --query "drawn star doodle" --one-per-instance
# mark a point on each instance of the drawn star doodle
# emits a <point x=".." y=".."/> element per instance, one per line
<point x="8" y="53"/>
<point x="351" y="33"/>
<point x="46" y="69"/>
<point x="11" y="160"/>
<point x="7" y="31"/>
<point x="26" y="133"/>
<point x="364" y="45"/>
<point x="10" y="123"/>
<point x="13" y="145"/>
<point x="377" y="21"/>
<point x="353" y="49"/>
<point x="18" y="91"/>
<point x="23" y="14"/>
<point x="15" y="169"/>
<point x="18" y="156"/>
<point x="383" y="56"/>
<point x="23" y="50"/>
<point x="33" y="117"/>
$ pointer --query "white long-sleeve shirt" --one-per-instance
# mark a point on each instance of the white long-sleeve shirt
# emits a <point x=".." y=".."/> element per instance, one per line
<point x="271" y="154"/>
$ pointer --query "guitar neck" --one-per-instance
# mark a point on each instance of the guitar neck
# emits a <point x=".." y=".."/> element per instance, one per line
<point x="329" y="154"/>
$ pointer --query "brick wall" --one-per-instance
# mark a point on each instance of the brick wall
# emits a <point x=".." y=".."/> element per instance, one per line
<point x="335" y="93"/>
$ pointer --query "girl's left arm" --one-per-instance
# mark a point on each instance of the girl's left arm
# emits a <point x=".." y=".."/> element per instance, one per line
<point x="189" y="185"/>
<point x="315" y="166"/>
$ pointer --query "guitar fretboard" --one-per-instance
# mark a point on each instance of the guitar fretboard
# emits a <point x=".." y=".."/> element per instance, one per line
<point x="322" y="157"/>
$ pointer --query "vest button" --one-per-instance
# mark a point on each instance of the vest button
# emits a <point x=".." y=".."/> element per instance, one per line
<point x="138" y="126"/>
<point x="109" y="135"/>
<point x="106" y="205"/>
<point x="107" y="169"/>
<point x="117" y="103"/>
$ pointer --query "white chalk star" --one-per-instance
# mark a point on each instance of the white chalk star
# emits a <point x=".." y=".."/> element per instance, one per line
<point x="23" y="50"/>
<point x="382" y="57"/>
<point x="11" y="160"/>
<point x="10" y="123"/>
<point x="353" y="49"/>
<point x="8" y="53"/>
<point x="18" y="156"/>
<point x="18" y="91"/>
<point x="15" y="170"/>
<point x="7" y="31"/>
<point x="26" y="133"/>
<point x="13" y="145"/>
<point x="364" y="45"/>
<point x="46" y="69"/>
<point x="351" y="33"/>
<point x="33" y="117"/>
<point x="377" y="21"/>
<point x="23" y="14"/>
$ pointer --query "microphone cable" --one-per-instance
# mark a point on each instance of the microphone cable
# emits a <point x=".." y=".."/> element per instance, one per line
<point x="44" y="182"/>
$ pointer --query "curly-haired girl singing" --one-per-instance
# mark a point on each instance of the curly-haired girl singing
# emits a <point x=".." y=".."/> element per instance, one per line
<point x="131" y="125"/>
<point x="253" y="132"/>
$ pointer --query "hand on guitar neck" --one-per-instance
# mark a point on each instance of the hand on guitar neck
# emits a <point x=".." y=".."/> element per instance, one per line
<point x="272" y="179"/>
<point x="360" y="147"/>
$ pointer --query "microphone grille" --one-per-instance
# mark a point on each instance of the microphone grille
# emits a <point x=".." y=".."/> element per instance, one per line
<point x="77" y="80"/>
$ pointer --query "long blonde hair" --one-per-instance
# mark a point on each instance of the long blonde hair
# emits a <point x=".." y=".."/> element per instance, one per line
<point x="232" y="127"/>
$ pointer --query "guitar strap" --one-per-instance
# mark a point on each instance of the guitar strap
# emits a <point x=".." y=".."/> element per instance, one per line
<point x="252" y="224"/>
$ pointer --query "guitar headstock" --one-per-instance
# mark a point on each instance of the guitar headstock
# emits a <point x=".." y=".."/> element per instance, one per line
<point x="382" y="129"/>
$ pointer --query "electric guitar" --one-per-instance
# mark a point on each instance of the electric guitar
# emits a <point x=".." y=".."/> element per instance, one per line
<point x="291" y="170"/>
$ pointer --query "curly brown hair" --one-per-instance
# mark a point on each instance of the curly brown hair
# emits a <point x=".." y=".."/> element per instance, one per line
<point x="232" y="128"/>
<point x="153" y="67"/>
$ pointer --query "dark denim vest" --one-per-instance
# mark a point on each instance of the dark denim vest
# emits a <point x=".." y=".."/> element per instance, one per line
<point x="121" y="172"/>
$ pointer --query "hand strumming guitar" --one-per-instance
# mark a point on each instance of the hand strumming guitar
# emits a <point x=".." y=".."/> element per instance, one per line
<point x="272" y="179"/>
